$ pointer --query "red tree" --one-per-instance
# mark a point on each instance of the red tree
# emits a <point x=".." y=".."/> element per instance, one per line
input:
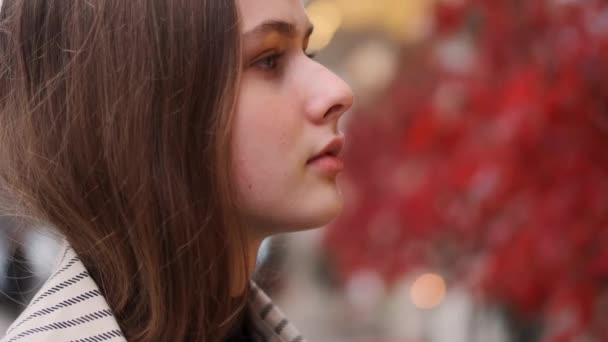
<point x="489" y="157"/>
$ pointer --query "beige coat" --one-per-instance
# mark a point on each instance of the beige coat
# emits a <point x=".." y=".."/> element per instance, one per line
<point x="70" y="307"/>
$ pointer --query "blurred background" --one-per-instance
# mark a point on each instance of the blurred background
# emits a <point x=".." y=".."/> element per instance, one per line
<point x="476" y="190"/>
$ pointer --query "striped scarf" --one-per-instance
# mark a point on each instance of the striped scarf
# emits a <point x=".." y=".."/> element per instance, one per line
<point x="70" y="307"/>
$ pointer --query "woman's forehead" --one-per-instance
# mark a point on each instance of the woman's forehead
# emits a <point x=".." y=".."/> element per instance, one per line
<point x="255" y="12"/>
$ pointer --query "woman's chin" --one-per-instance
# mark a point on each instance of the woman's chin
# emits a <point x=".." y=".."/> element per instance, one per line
<point x="307" y="212"/>
<point x="320" y="213"/>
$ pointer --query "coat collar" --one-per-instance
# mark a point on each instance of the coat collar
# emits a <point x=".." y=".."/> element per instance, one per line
<point x="71" y="307"/>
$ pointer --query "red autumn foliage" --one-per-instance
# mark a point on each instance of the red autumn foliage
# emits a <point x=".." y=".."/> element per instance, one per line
<point x="491" y="164"/>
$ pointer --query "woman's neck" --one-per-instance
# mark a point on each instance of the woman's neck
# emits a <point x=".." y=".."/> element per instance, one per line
<point x="242" y="281"/>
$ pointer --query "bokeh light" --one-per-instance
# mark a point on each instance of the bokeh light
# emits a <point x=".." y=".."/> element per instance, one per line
<point x="326" y="16"/>
<point x="428" y="291"/>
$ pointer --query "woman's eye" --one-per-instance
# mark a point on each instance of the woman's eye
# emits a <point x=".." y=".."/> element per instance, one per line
<point x="269" y="62"/>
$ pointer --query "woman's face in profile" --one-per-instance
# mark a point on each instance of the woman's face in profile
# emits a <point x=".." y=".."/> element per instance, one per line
<point x="287" y="112"/>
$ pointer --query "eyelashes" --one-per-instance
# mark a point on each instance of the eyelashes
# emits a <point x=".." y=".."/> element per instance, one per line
<point x="273" y="61"/>
<point x="270" y="62"/>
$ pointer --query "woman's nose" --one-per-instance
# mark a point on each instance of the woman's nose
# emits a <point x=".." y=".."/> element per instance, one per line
<point x="330" y="96"/>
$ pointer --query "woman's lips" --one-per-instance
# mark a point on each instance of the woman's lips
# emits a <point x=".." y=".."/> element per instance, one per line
<point x="327" y="163"/>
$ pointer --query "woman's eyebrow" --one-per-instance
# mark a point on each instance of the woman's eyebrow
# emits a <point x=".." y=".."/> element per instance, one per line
<point x="282" y="27"/>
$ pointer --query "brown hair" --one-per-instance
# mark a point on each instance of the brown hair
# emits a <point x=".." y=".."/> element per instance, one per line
<point x="115" y="123"/>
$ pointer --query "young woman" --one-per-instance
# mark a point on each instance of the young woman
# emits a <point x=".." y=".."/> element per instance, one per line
<point x="163" y="140"/>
